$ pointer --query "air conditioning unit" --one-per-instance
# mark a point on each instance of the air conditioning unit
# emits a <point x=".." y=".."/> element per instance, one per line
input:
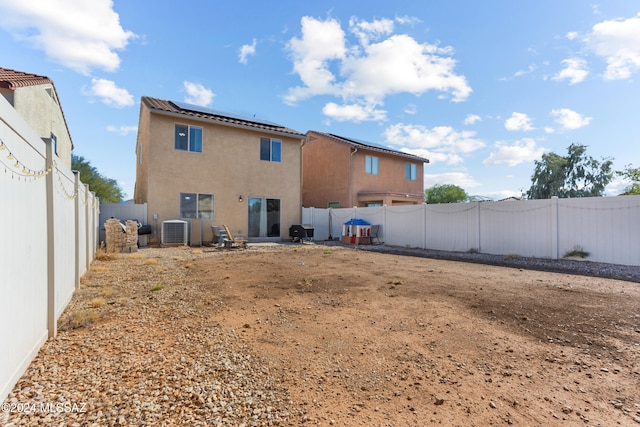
<point x="174" y="232"/>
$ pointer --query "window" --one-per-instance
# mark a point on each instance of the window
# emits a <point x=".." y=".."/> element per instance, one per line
<point x="54" y="140"/>
<point x="334" y="205"/>
<point x="196" y="205"/>
<point x="188" y="138"/>
<point x="270" y="150"/>
<point x="411" y="171"/>
<point x="371" y="165"/>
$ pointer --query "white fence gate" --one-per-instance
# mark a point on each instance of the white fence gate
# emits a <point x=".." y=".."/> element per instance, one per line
<point x="606" y="227"/>
<point x="48" y="237"/>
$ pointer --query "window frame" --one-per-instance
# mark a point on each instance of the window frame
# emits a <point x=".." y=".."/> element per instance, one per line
<point x="411" y="171"/>
<point x="270" y="149"/>
<point x="188" y="212"/>
<point x="194" y="138"/>
<point x="371" y="165"/>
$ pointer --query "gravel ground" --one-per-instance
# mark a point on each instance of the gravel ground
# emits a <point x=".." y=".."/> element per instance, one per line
<point x="630" y="273"/>
<point x="130" y="352"/>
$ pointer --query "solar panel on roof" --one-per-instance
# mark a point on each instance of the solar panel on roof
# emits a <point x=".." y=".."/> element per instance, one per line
<point x="359" y="141"/>
<point x="207" y="110"/>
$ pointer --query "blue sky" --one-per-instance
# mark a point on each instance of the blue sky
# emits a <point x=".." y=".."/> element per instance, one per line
<point x="482" y="89"/>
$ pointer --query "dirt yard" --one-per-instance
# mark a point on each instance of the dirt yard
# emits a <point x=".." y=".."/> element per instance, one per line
<point x="356" y="338"/>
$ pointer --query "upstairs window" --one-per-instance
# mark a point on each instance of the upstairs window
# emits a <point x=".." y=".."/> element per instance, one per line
<point x="371" y="165"/>
<point x="270" y="150"/>
<point x="411" y="171"/>
<point x="188" y="138"/>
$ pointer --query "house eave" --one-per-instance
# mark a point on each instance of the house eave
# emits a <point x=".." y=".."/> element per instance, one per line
<point x="363" y="146"/>
<point x="223" y="123"/>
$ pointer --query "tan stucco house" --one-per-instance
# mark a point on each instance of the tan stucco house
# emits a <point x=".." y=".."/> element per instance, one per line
<point x="341" y="172"/>
<point x="217" y="168"/>
<point x="35" y="98"/>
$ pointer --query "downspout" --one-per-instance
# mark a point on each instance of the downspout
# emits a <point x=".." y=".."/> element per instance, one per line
<point x="355" y="150"/>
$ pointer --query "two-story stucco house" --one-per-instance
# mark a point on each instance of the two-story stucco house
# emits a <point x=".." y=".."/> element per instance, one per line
<point x="340" y="172"/>
<point x="35" y="98"/>
<point x="217" y="168"/>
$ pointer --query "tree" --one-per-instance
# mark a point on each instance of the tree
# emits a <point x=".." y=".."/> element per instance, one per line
<point x="633" y="175"/>
<point x="574" y="175"/>
<point x="444" y="193"/>
<point x="106" y="189"/>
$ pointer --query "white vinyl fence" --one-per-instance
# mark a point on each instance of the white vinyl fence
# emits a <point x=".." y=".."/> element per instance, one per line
<point x="606" y="227"/>
<point x="48" y="237"/>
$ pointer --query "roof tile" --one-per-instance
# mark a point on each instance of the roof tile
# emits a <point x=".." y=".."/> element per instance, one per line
<point x="12" y="79"/>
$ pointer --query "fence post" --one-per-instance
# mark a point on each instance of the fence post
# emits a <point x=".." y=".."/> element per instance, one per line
<point x="555" y="250"/>
<point x="76" y="202"/>
<point x="87" y="259"/>
<point x="384" y="221"/>
<point x="424" y="226"/>
<point x="52" y="324"/>
<point x="478" y="225"/>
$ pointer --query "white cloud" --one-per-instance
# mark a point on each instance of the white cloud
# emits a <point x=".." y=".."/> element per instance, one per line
<point x="572" y="35"/>
<point x="411" y="109"/>
<point x="461" y="179"/>
<point x="376" y="65"/>
<point x="197" y="94"/>
<point x="442" y="143"/>
<point x="518" y="121"/>
<point x="410" y="20"/>
<point x="321" y="42"/>
<point x="109" y="93"/>
<point x="575" y="71"/>
<point x="525" y="150"/>
<point x="247" y="50"/>
<point x="366" y="31"/>
<point x="401" y="64"/>
<point x="530" y="69"/>
<point x="353" y="112"/>
<point x="81" y="35"/>
<point x="569" y="119"/>
<point x="472" y="119"/>
<point x="122" y="130"/>
<point x="435" y="157"/>
<point x="618" y="42"/>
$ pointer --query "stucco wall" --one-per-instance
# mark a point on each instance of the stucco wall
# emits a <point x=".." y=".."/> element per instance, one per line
<point x="326" y="173"/>
<point x="391" y="177"/>
<point x="44" y="115"/>
<point x="142" y="150"/>
<point x="335" y="172"/>
<point x="228" y="167"/>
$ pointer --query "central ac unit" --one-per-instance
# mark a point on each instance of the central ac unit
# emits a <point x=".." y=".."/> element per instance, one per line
<point x="174" y="232"/>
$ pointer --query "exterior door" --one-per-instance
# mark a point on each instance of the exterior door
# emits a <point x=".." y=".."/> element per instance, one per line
<point x="264" y="217"/>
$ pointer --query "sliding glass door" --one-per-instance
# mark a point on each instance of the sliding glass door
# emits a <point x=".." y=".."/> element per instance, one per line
<point x="264" y="217"/>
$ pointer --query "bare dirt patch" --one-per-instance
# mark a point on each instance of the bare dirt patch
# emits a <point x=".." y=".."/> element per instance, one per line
<point x="319" y="335"/>
<point x="363" y="338"/>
